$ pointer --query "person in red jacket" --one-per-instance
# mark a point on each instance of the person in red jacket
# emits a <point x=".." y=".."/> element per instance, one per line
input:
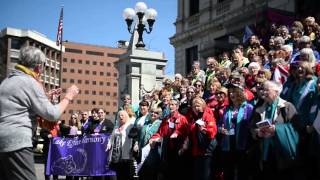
<point x="203" y="131"/>
<point x="172" y="132"/>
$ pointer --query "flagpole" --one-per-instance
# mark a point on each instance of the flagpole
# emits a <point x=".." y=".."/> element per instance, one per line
<point x="61" y="53"/>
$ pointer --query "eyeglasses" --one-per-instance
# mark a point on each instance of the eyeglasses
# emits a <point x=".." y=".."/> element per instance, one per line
<point x="100" y="112"/>
<point x="154" y="112"/>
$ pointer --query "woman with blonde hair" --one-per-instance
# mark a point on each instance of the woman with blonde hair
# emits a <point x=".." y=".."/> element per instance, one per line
<point x="203" y="131"/>
<point x="120" y="148"/>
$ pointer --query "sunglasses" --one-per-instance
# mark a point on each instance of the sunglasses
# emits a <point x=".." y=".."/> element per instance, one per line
<point x="154" y="112"/>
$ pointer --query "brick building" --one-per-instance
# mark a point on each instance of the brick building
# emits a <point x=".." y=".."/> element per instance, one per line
<point x="11" y="40"/>
<point x="92" y="69"/>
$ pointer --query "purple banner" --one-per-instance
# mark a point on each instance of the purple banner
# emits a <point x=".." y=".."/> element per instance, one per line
<point x="79" y="156"/>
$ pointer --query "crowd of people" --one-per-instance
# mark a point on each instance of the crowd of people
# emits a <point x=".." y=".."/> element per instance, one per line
<point x="250" y="114"/>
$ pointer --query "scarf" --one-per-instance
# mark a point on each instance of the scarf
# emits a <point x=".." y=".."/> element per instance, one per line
<point x="27" y="71"/>
<point x="242" y="114"/>
<point x="270" y="110"/>
<point x="268" y="143"/>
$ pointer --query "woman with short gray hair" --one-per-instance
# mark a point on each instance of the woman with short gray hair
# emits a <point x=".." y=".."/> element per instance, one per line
<point x="31" y="57"/>
<point x="22" y="99"/>
<point x="275" y="126"/>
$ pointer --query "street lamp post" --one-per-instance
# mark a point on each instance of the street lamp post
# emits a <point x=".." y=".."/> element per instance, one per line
<point x="143" y="14"/>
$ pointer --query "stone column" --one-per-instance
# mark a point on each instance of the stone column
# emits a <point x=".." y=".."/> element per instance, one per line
<point x="140" y="71"/>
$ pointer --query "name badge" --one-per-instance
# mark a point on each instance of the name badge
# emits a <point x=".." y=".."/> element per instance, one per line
<point x="200" y="122"/>
<point x="313" y="109"/>
<point x="231" y="132"/>
<point x="171" y="125"/>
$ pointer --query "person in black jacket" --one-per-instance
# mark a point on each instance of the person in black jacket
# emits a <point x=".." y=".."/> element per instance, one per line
<point x="106" y="126"/>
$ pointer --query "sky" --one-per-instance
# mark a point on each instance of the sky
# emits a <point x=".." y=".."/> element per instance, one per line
<point x="97" y="22"/>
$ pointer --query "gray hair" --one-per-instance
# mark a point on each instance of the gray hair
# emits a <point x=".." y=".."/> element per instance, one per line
<point x="309" y="52"/>
<point x="304" y="39"/>
<point x="276" y="86"/>
<point x="31" y="56"/>
<point x="287" y="48"/>
<point x="279" y="39"/>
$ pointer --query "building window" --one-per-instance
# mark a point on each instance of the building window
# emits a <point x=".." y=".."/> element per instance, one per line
<point x="94" y="63"/>
<point x="223" y="6"/>
<point x="15" y="43"/>
<point x="72" y="61"/>
<point x="108" y="74"/>
<point x="101" y="93"/>
<point x="87" y="62"/>
<point x="71" y="80"/>
<point x="95" y="53"/>
<point x="94" y="92"/>
<point x="94" y="82"/>
<point x="191" y="55"/>
<point x="93" y="102"/>
<point x="80" y="71"/>
<point x="193" y="7"/>
<point x="114" y="94"/>
<point x="78" y="101"/>
<point x="115" y="84"/>
<point x="108" y="64"/>
<point x="100" y="103"/>
<point x="70" y="111"/>
<point x="64" y="80"/>
<point x="65" y="60"/>
<point x="94" y="72"/>
<point x="79" y="81"/>
<point x="79" y="61"/>
<point x="101" y="73"/>
<point x="108" y="83"/>
<point x="78" y="51"/>
<point x="108" y="103"/>
<point x="64" y="90"/>
<point x="64" y="70"/>
<point x="107" y="93"/>
<point x="86" y="82"/>
<point x="72" y="70"/>
<point x="115" y="74"/>
<point x="86" y="92"/>
<point x="86" y="102"/>
<point x="107" y="113"/>
<point x="87" y="72"/>
<point x="101" y="64"/>
<point x="101" y="83"/>
<point x="113" y="55"/>
<point x="114" y="104"/>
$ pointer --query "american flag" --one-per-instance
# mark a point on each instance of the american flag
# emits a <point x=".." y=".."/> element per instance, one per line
<point x="280" y="74"/>
<point x="60" y="28"/>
